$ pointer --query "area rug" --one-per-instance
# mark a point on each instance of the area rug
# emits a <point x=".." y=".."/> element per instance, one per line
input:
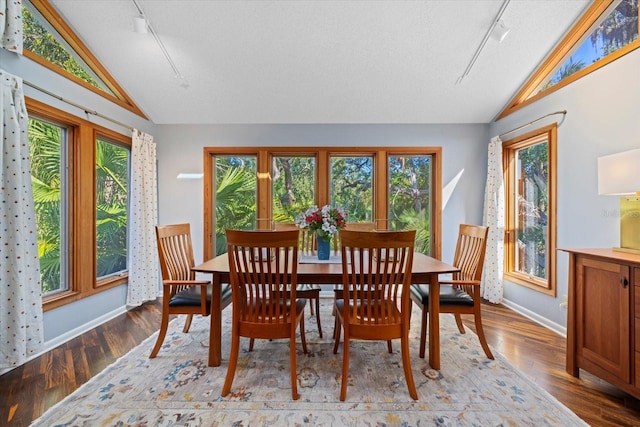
<point x="178" y="388"/>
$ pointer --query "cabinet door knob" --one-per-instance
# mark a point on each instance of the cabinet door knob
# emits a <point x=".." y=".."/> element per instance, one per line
<point x="624" y="282"/>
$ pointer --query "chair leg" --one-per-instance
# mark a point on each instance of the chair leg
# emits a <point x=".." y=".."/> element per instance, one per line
<point x="389" y="347"/>
<point x="337" y="332"/>
<point x="292" y="358"/>
<point x="459" y="323"/>
<point x="423" y="331"/>
<point x="406" y="363"/>
<point x="251" y="341"/>
<point x="318" y="313"/>
<point x="233" y="362"/>
<point x="303" y="337"/>
<point x="480" y="331"/>
<point x="345" y="367"/>
<point x="187" y="323"/>
<point x="164" y="324"/>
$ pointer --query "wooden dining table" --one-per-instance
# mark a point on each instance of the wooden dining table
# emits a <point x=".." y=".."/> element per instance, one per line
<point x="425" y="270"/>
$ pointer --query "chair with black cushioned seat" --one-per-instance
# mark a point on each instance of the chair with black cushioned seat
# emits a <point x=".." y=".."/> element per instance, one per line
<point x="375" y="302"/>
<point x="181" y="292"/>
<point x="263" y="268"/>
<point x="461" y="294"/>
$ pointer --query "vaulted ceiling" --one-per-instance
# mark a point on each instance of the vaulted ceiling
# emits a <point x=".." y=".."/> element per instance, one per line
<point x="320" y="61"/>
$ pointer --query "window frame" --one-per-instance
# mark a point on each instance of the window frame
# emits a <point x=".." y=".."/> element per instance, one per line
<point x="81" y="220"/>
<point x="322" y="154"/>
<point x="509" y="149"/>
<point x="571" y="41"/>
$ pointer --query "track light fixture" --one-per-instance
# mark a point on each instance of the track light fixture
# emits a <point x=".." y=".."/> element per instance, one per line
<point x="140" y="25"/>
<point x="500" y="31"/>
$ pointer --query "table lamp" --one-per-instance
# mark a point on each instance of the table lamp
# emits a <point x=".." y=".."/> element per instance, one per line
<point x="619" y="174"/>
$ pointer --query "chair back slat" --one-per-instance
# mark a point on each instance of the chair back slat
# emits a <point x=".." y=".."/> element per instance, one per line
<point x="263" y="274"/>
<point x="376" y="275"/>
<point x="175" y="253"/>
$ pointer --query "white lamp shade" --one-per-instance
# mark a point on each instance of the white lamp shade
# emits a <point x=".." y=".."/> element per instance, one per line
<point x="619" y="174"/>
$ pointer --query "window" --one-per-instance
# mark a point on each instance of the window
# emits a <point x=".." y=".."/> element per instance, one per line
<point x="293" y="186"/>
<point x="250" y="187"/>
<point x="410" y="191"/>
<point x="606" y="31"/>
<point x="49" y="41"/>
<point x="352" y="186"/>
<point x="235" y="196"/>
<point x="530" y="170"/>
<point x="112" y="182"/>
<point x="77" y="165"/>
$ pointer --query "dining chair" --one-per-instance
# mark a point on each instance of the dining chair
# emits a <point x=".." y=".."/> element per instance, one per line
<point x="311" y="292"/>
<point x="181" y="292"/>
<point x="263" y="269"/>
<point x="461" y="294"/>
<point x="375" y="304"/>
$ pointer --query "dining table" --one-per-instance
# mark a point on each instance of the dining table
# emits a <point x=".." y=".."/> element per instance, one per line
<point x="425" y="270"/>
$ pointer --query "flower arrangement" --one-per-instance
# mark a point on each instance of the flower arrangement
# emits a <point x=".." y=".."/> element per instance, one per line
<point x="323" y="222"/>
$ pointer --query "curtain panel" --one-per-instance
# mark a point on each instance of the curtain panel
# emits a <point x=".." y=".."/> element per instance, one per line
<point x="11" y="25"/>
<point x="493" y="217"/>
<point x="21" y="322"/>
<point x="144" y="276"/>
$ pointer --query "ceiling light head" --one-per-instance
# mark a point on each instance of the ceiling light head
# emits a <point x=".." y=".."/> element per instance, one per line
<point x="140" y="25"/>
<point x="500" y="31"/>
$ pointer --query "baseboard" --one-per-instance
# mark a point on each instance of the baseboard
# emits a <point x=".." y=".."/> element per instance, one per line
<point x="552" y="326"/>
<point x="67" y="336"/>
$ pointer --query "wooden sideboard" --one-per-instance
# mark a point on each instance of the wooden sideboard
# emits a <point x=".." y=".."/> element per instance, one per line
<point x="603" y="323"/>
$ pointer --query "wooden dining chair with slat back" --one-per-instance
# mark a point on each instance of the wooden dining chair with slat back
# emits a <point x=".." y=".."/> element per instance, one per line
<point x="181" y="292"/>
<point x="309" y="291"/>
<point x="461" y="294"/>
<point x="375" y="304"/>
<point x="263" y="269"/>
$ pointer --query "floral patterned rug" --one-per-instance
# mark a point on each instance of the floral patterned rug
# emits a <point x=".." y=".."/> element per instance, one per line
<point x="179" y="389"/>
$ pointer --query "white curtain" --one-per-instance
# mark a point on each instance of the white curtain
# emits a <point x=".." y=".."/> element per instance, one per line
<point x="21" y="325"/>
<point x="493" y="217"/>
<point x="144" y="277"/>
<point x="11" y="25"/>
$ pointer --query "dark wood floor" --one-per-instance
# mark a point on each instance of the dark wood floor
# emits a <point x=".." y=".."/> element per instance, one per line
<point x="29" y="390"/>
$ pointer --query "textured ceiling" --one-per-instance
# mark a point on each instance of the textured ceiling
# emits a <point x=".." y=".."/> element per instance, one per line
<point x="320" y="61"/>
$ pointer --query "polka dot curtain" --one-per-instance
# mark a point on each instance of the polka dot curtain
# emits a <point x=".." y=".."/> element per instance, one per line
<point x="144" y="276"/>
<point x="492" y="284"/>
<point x="21" y="325"/>
<point x="11" y="25"/>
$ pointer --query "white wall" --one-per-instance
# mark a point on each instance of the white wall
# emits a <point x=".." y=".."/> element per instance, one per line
<point x="603" y="117"/>
<point x="180" y="149"/>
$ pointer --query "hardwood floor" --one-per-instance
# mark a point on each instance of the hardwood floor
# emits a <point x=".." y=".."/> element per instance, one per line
<point x="29" y="390"/>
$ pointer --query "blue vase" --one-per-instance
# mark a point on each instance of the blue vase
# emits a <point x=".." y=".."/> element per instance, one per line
<point x="324" y="248"/>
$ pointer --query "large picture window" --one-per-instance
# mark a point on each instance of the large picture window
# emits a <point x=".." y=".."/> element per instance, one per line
<point x="253" y="187"/>
<point x="80" y="179"/>
<point x="530" y="167"/>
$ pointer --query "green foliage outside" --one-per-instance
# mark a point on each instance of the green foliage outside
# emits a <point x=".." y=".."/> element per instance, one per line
<point x="46" y="179"/>
<point x="112" y="163"/>
<point x="235" y="193"/>
<point x="41" y="42"/>
<point x="617" y="30"/>
<point x="533" y="208"/>
<point x="293" y="192"/>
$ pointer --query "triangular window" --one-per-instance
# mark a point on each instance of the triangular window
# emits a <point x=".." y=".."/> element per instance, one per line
<point x="605" y="32"/>
<point x="49" y="41"/>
